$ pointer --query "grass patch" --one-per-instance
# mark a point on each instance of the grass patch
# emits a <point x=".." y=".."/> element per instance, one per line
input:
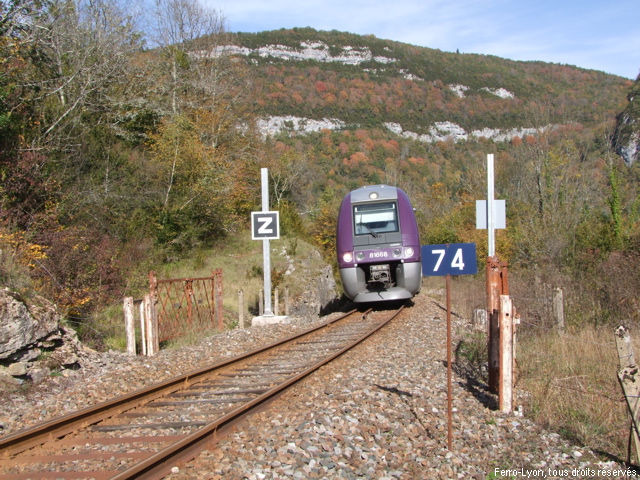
<point x="572" y="387"/>
<point x="471" y="356"/>
<point x="104" y="330"/>
<point x="240" y="259"/>
<point x="293" y="262"/>
<point x="566" y="383"/>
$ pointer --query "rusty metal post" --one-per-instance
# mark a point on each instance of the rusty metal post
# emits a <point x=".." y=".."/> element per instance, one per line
<point x="188" y="293"/>
<point x="516" y="322"/>
<point x="218" y="301"/>
<point x="213" y="298"/>
<point x="449" y="387"/>
<point x="504" y="278"/>
<point x="497" y="284"/>
<point x="493" y="329"/>
<point x="154" y="324"/>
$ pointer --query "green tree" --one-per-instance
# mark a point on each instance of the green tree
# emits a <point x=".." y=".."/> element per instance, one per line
<point x="615" y="206"/>
<point x="324" y="223"/>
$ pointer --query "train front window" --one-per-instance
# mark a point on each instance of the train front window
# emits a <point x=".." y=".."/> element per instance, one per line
<point x="374" y="218"/>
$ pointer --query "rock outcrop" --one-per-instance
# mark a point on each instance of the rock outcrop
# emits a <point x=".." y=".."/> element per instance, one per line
<point x="318" y="297"/>
<point x="24" y="326"/>
<point x="626" y="139"/>
<point x="33" y="343"/>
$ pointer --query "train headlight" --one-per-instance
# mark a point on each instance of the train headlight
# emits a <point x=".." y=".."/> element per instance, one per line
<point x="408" y="252"/>
<point x="397" y="252"/>
<point x="347" y="257"/>
<point x="360" y="256"/>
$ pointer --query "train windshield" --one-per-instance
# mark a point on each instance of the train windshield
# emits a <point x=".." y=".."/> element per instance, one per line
<point x="374" y="218"/>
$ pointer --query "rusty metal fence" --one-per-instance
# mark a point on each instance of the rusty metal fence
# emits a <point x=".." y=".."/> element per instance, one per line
<point x="187" y="304"/>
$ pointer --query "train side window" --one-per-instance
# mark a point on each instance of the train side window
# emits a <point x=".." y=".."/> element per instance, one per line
<point x="374" y="218"/>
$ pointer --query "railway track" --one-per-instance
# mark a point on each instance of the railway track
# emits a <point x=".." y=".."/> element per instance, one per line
<point x="144" y="434"/>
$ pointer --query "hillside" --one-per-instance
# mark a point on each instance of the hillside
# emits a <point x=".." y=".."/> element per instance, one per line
<point x="119" y="158"/>
<point x="368" y="82"/>
<point x="118" y="161"/>
<point x="341" y="110"/>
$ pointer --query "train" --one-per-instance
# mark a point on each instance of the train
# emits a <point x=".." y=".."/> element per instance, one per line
<point x="378" y="245"/>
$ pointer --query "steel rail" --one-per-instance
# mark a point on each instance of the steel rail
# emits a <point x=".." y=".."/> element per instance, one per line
<point x="184" y="447"/>
<point x="187" y="448"/>
<point x="57" y="427"/>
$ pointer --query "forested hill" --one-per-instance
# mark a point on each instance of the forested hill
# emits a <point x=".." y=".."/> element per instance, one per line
<point x="115" y="157"/>
<point x="364" y="81"/>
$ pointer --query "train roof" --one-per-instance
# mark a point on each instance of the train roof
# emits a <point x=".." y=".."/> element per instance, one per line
<point x="373" y="192"/>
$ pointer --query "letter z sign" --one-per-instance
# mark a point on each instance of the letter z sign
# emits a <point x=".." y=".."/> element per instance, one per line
<point x="449" y="259"/>
<point x="265" y="225"/>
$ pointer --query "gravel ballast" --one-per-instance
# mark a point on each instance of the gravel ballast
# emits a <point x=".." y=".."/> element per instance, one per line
<point x="378" y="411"/>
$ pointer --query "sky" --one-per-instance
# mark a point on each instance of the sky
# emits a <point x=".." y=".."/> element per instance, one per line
<point x="595" y="34"/>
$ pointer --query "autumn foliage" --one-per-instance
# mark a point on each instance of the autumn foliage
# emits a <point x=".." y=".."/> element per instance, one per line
<point x="147" y="155"/>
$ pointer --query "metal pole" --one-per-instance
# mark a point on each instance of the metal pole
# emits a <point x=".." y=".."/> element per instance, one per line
<point x="494" y="291"/>
<point x="490" y="230"/>
<point x="264" y="173"/>
<point x="219" y="309"/>
<point x="449" y="389"/>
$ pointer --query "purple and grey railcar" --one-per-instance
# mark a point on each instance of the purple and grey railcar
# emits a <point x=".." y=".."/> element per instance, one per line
<point x="378" y="245"/>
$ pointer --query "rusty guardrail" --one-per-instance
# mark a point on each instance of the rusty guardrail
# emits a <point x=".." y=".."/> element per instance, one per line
<point x="173" y="307"/>
<point x="187" y="304"/>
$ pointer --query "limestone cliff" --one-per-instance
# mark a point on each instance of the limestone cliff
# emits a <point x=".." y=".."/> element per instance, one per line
<point x="626" y="139"/>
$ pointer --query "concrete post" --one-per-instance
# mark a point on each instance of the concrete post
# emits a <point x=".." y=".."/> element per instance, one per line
<point x="129" y="325"/>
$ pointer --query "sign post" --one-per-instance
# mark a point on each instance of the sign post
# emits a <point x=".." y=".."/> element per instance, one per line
<point x="449" y="259"/>
<point x="446" y="260"/>
<point x="501" y="316"/>
<point x="265" y="226"/>
<point x="490" y="214"/>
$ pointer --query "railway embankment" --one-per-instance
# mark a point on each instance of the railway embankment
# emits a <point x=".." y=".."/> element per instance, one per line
<point x="378" y="411"/>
